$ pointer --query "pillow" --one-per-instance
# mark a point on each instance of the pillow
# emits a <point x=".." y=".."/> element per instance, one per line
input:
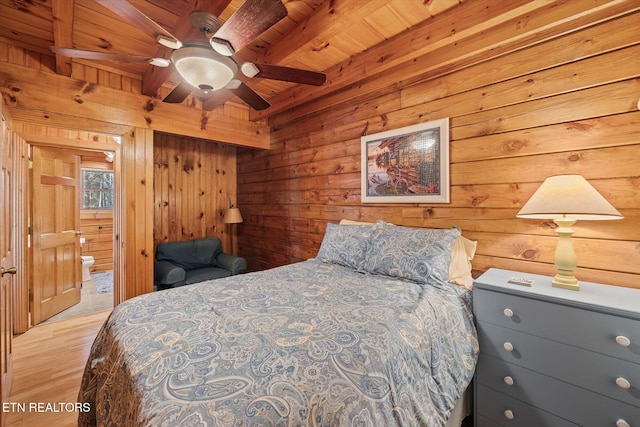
<point x="350" y="222"/>
<point x="347" y="245"/>
<point x="417" y="254"/>
<point x="460" y="267"/>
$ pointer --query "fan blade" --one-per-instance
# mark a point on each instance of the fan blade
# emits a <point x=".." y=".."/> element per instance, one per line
<point x="216" y="99"/>
<point x="179" y="93"/>
<point x="251" y="19"/>
<point x="123" y="9"/>
<point x="108" y="56"/>
<point x="276" y="72"/>
<point x="247" y="94"/>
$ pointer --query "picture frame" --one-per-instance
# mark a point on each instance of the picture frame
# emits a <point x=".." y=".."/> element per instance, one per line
<point x="406" y="165"/>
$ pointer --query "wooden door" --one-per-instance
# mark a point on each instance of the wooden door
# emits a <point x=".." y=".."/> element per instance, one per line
<point x="7" y="262"/>
<point x="57" y="269"/>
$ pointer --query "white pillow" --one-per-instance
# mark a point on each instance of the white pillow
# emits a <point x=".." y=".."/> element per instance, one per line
<point x="460" y="268"/>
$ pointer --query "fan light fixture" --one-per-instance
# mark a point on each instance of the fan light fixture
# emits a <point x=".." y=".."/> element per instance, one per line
<point x="565" y="199"/>
<point x="203" y="68"/>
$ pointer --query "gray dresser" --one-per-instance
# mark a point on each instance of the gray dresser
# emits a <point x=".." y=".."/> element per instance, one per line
<point x="556" y="357"/>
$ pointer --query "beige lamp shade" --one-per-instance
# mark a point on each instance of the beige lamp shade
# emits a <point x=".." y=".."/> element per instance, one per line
<point x="568" y="195"/>
<point x="232" y="216"/>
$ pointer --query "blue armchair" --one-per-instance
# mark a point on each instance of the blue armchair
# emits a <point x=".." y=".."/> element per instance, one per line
<point x="192" y="261"/>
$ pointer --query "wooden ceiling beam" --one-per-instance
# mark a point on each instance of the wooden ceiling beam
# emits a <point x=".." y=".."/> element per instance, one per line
<point x="75" y="104"/>
<point x="423" y="38"/>
<point x="217" y="99"/>
<point x="154" y="77"/>
<point x="311" y="34"/>
<point x="489" y="27"/>
<point x="63" y="32"/>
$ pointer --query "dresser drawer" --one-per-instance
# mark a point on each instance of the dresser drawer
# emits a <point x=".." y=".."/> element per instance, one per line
<point x="567" y="401"/>
<point x="481" y="421"/>
<point x="593" y="371"/>
<point x="507" y="411"/>
<point x="570" y="325"/>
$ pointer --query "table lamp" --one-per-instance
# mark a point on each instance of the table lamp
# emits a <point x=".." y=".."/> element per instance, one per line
<point x="565" y="199"/>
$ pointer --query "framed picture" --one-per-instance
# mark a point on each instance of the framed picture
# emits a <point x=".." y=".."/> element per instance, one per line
<point x="407" y="165"/>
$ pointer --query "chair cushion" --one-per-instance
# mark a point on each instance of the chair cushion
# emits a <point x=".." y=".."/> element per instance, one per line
<point x="191" y="254"/>
<point x="202" y="274"/>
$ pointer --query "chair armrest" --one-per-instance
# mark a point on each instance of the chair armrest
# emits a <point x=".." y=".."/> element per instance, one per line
<point x="234" y="264"/>
<point x="165" y="273"/>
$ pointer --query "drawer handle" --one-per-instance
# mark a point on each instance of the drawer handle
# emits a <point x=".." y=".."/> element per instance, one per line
<point x="508" y="380"/>
<point x="623" y="383"/>
<point x="508" y="346"/>
<point x="508" y="414"/>
<point x="508" y="312"/>
<point x="623" y="341"/>
<point x="622" y="423"/>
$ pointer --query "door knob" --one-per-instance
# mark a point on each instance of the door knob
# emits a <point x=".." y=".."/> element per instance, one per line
<point x="11" y="270"/>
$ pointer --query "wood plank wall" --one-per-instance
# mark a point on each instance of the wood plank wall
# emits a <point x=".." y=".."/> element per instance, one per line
<point x="565" y="105"/>
<point x="97" y="229"/>
<point x="194" y="183"/>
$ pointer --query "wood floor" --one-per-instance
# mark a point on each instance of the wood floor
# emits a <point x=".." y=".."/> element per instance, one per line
<point x="48" y="362"/>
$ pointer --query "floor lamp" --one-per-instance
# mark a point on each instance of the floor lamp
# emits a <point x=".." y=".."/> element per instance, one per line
<point x="232" y="216"/>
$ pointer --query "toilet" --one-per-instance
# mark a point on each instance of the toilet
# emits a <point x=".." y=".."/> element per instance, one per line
<point x="87" y="262"/>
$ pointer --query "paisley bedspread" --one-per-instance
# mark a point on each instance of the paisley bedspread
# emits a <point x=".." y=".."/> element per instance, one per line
<point x="309" y="344"/>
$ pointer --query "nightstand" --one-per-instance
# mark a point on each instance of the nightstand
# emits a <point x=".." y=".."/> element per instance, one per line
<point x="555" y="357"/>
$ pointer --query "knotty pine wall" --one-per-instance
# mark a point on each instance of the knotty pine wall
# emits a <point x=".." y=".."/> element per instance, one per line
<point x="566" y="105"/>
<point x="97" y="229"/>
<point x="194" y="182"/>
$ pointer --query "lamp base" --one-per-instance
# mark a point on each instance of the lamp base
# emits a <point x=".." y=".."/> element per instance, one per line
<point x="565" y="281"/>
<point x="565" y="257"/>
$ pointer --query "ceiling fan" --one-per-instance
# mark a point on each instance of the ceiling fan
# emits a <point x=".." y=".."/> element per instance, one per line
<point x="206" y="64"/>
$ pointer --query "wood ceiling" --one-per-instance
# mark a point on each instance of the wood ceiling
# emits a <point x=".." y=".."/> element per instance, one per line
<point x="316" y="35"/>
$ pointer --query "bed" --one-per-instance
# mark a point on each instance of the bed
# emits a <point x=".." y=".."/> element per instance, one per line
<point x="371" y="332"/>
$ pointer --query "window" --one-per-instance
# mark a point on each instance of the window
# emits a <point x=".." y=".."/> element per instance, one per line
<point x="97" y="189"/>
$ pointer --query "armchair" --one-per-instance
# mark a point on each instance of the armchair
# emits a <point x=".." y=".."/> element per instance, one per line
<point x="192" y="261"/>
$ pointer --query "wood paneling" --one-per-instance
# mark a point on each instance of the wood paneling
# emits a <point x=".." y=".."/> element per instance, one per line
<point x="314" y="35"/>
<point x="194" y="182"/>
<point x="531" y="89"/>
<point x="456" y="39"/>
<point x="97" y="230"/>
<point x="135" y="245"/>
<point x="561" y="100"/>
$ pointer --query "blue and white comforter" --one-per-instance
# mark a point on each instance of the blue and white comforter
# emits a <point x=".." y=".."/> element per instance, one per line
<point x="309" y="344"/>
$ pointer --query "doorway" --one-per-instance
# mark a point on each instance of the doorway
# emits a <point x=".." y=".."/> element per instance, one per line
<point x="75" y="278"/>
